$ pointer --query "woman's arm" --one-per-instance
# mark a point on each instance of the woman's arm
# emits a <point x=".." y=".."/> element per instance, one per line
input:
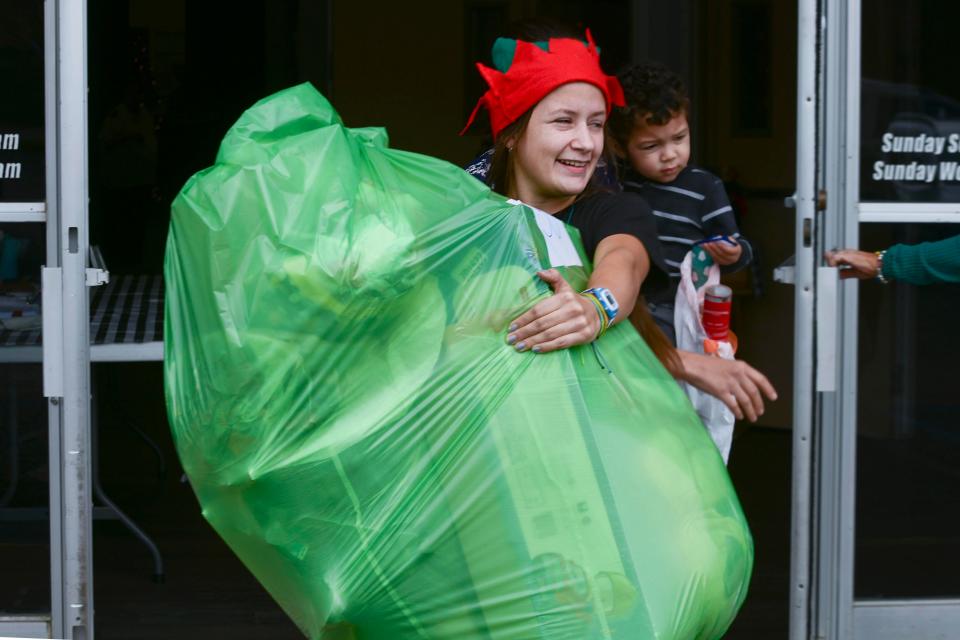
<point x="566" y="318"/>
<point x="734" y="382"/>
<point x="925" y="263"/>
<point x="621" y="264"/>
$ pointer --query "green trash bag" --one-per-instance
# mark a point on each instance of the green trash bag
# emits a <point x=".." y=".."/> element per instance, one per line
<point x="357" y="430"/>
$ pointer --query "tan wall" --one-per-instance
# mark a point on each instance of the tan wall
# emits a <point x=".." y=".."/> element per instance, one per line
<point x="402" y="66"/>
<point x="760" y="162"/>
<point x="764" y="325"/>
<point x="765" y="166"/>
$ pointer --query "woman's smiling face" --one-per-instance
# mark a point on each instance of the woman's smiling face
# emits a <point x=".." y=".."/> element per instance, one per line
<point x="557" y="152"/>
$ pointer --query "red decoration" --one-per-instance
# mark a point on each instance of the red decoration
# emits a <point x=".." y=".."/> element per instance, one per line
<point x="534" y="73"/>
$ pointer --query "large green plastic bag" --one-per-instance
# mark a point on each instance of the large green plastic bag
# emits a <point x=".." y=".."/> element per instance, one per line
<point x="357" y="430"/>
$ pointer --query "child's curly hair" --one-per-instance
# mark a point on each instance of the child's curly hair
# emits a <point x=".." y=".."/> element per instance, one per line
<point x="653" y="92"/>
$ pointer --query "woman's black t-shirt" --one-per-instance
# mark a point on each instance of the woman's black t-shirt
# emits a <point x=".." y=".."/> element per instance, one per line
<point x="604" y="214"/>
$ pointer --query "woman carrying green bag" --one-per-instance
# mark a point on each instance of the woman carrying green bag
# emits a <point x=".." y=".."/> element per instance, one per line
<point x="355" y="429"/>
<point x="547" y="114"/>
<point x="548" y="104"/>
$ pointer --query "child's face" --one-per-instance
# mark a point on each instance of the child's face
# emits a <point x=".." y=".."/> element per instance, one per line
<point x="659" y="152"/>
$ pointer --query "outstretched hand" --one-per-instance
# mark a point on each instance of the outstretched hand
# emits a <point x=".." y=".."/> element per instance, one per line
<point x="563" y="320"/>
<point x="854" y="263"/>
<point x="737" y="384"/>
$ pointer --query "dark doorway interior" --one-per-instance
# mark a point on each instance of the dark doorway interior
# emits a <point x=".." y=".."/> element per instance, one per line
<point x="167" y="80"/>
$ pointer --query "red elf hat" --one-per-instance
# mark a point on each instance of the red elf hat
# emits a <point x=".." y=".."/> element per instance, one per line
<point x="535" y="72"/>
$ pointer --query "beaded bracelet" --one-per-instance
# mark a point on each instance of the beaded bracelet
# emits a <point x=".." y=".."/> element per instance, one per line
<point x="604" y="321"/>
<point x="880" y="255"/>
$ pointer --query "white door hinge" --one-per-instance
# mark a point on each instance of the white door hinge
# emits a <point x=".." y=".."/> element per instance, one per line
<point x="97" y="277"/>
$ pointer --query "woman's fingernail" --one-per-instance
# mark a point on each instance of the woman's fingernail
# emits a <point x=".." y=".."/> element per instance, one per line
<point x="521" y="346"/>
<point x="536" y="349"/>
<point x="513" y="327"/>
<point x="511" y="339"/>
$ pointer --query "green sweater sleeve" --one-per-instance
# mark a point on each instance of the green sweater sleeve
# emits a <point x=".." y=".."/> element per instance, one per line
<point x="925" y="263"/>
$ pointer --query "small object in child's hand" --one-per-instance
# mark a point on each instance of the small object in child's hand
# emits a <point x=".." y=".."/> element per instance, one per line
<point x="720" y="238"/>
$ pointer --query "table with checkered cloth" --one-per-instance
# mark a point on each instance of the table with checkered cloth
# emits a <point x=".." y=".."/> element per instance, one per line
<point x="126" y="324"/>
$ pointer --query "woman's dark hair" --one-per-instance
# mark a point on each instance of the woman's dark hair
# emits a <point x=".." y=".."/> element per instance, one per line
<point x="654" y="95"/>
<point x="654" y="336"/>
<point x="500" y="176"/>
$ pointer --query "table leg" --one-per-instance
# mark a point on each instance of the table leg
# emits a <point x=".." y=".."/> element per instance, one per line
<point x="101" y="495"/>
<point x="13" y="463"/>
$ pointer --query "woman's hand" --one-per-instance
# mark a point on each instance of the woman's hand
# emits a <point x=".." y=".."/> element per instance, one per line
<point x="566" y="318"/>
<point x="723" y="253"/>
<point x="563" y="320"/>
<point x="734" y="382"/>
<point x="859" y="264"/>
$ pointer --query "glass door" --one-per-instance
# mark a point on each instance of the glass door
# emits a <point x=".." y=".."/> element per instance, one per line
<point x="886" y="521"/>
<point x="45" y="507"/>
<point x="27" y="451"/>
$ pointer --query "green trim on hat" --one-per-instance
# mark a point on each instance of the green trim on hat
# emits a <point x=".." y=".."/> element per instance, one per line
<point x="505" y="48"/>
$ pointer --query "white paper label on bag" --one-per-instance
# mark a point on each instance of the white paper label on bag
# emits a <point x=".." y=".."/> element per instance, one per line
<point x="560" y="249"/>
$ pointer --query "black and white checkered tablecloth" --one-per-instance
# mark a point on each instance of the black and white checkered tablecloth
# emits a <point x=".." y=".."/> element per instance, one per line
<point x="127" y="310"/>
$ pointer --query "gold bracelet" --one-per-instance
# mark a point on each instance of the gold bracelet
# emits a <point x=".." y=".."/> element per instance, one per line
<point x="880" y="255"/>
<point x="604" y="321"/>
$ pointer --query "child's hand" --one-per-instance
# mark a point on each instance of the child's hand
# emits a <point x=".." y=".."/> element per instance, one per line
<point x="723" y="253"/>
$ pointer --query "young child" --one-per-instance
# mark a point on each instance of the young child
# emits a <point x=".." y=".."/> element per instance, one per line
<point x="651" y="136"/>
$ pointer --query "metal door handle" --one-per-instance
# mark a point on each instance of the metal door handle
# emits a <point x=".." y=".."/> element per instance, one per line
<point x="828" y="279"/>
<point x="51" y="314"/>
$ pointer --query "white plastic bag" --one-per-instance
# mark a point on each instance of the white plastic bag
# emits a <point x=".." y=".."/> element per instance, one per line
<point x="716" y="417"/>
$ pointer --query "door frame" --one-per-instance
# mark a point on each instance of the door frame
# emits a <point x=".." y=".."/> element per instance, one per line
<point x="72" y="392"/>
<point x="804" y="201"/>
<point x="65" y="312"/>
<point x="832" y="611"/>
